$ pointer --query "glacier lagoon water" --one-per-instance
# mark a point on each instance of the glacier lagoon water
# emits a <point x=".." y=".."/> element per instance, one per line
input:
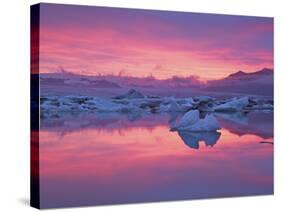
<point x="111" y="158"/>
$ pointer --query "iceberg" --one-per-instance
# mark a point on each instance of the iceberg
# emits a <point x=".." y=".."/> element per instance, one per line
<point x="189" y="118"/>
<point x="209" y="123"/>
<point x="234" y="108"/>
<point x="204" y="103"/>
<point x="236" y="104"/>
<point x="237" y="117"/>
<point x="149" y="104"/>
<point x="192" y="122"/>
<point x="171" y="105"/>
<point x="106" y="105"/>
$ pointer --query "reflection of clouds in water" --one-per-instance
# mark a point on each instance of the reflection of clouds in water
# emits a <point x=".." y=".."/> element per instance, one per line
<point x="157" y="162"/>
<point x="192" y="139"/>
<point x="107" y="121"/>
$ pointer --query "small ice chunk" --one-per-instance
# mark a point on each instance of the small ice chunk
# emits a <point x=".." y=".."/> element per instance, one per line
<point x="203" y="98"/>
<point x="170" y="105"/>
<point x="132" y="94"/>
<point x="174" y="106"/>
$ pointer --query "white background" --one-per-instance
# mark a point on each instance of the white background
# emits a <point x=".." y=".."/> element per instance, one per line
<point x="14" y="97"/>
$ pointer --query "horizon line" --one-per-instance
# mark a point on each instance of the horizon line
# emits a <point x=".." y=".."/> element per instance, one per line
<point x="151" y="76"/>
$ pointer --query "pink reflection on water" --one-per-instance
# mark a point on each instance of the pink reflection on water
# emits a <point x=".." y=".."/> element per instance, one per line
<point x="147" y="161"/>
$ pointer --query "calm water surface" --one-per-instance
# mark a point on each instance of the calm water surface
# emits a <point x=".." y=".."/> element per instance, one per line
<point x="112" y="158"/>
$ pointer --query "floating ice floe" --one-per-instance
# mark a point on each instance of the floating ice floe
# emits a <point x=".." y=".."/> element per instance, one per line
<point x="172" y="104"/>
<point x="203" y="98"/>
<point x="192" y="122"/>
<point x="235" y="104"/>
<point x="204" y="103"/>
<point x="135" y="101"/>
<point x="105" y="105"/>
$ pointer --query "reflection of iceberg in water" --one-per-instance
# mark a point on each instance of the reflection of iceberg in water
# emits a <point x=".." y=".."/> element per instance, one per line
<point x="192" y="139"/>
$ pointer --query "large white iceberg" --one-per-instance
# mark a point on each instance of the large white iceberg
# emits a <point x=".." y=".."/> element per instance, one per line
<point x="236" y="104"/>
<point x="209" y="123"/>
<point x="192" y="122"/>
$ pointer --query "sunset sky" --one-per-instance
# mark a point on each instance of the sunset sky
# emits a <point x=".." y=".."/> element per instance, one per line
<point x="93" y="40"/>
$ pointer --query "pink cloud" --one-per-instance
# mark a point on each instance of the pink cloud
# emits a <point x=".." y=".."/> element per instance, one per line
<point x="106" y="50"/>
